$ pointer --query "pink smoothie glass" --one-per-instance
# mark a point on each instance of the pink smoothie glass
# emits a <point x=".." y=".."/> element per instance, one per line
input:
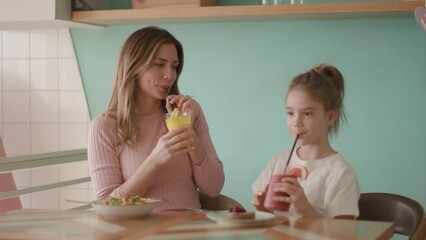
<point x="269" y="203"/>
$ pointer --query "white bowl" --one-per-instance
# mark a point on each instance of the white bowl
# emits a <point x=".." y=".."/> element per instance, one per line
<point x="125" y="211"/>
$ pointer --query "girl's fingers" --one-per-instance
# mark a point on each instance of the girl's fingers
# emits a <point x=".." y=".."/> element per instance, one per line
<point x="289" y="180"/>
<point x="285" y="187"/>
<point x="259" y="194"/>
<point x="281" y="189"/>
<point x="282" y="199"/>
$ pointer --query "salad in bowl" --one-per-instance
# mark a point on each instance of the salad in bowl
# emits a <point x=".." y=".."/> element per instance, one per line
<point x="126" y="207"/>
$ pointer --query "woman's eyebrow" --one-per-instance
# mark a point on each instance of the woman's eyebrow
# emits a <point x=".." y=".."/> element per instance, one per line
<point x="165" y="60"/>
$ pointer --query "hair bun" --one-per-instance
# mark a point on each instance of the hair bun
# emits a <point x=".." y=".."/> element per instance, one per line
<point x="327" y="70"/>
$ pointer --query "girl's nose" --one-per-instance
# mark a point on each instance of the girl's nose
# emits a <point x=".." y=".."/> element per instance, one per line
<point x="298" y="121"/>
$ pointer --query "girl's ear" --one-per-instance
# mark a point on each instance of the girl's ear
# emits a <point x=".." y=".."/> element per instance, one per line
<point x="332" y="117"/>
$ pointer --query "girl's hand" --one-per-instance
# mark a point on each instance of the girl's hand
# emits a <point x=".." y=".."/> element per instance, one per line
<point x="297" y="196"/>
<point x="175" y="142"/>
<point x="260" y="200"/>
<point x="183" y="102"/>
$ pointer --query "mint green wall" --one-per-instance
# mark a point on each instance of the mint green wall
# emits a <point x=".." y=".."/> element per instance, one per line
<point x="239" y="73"/>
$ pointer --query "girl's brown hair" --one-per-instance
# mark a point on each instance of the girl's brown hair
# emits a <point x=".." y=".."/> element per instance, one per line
<point x="136" y="56"/>
<point x="326" y="85"/>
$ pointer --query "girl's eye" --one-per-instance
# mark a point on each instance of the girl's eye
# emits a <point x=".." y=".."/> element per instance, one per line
<point x="289" y="113"/>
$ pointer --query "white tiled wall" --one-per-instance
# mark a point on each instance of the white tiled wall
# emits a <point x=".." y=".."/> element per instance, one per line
<point x="43" y="109"/>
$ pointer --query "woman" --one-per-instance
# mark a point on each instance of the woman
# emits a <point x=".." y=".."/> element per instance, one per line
<point x="130" y="151"/>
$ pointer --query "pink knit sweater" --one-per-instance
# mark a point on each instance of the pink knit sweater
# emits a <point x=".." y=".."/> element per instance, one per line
<point x="111" y="165"/>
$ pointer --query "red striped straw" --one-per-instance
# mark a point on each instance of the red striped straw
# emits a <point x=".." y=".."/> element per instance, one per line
<point x="292" y="149"/>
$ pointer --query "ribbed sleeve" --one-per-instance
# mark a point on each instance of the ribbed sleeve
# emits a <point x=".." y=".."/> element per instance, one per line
<point x="209" y="176"/>
<point x="104" y="162"/>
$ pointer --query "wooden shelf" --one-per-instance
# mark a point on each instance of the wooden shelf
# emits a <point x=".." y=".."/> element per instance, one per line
<point x="248" y="13"/>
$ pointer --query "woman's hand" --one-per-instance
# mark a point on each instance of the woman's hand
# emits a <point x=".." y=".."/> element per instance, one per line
<point x="297" y="197"/>
<point x="260" y="200"/>
<point x="175" y="142"/>
<point x="183" y="102"/>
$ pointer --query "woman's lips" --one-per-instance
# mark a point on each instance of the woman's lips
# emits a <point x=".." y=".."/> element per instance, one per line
<point x="164" y="88"/>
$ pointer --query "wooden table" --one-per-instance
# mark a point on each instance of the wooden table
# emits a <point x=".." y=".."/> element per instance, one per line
<point x="85" y="224"/>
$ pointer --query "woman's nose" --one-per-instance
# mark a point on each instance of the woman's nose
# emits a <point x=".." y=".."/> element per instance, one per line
<point x="169" y="74"/>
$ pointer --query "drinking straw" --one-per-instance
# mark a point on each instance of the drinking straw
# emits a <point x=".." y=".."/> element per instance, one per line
<point x="292" y="149"/>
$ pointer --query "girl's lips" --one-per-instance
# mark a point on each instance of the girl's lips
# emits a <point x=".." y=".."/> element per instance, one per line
<point x="299" y="134"/>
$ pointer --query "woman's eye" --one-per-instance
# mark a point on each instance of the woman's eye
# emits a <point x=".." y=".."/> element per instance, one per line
<point x="308" y="114"/>
<point x="158" y="64"/>
<point x="289" y="113"/>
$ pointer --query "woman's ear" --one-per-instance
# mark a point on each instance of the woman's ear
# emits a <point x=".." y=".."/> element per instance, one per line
<point x="332" y="117"/>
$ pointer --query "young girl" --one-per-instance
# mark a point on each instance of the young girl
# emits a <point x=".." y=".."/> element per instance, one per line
<point x="131" y="152"/>
<point x="314" y="106"/>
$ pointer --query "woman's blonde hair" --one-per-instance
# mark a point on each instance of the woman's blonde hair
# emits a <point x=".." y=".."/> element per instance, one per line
<point x="326" y="85"/>
<point x="136" y="56"/>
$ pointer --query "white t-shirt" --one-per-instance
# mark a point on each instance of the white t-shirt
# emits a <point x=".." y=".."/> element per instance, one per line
<point x="331" y="186"/>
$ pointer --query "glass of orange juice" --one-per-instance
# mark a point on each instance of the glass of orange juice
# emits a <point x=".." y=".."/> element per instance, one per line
<point x="178" y="119"/>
